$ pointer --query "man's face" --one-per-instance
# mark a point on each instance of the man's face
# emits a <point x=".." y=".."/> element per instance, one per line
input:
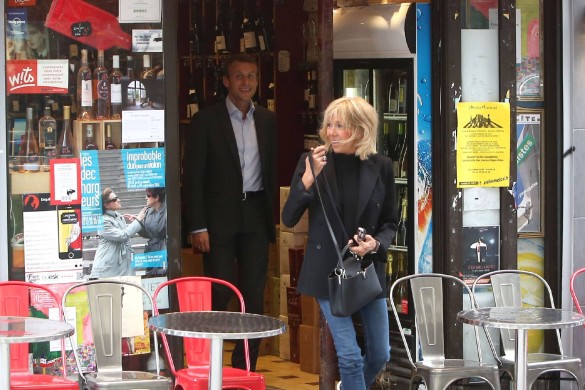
<point x="241" y="82"/>
<point x="36" y="38"/>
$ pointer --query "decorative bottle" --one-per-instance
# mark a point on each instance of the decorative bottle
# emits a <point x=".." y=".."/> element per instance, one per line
<point x="101" y="92"/>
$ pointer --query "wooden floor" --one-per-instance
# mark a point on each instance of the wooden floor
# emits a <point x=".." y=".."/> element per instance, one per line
<point x="280" y="374"/>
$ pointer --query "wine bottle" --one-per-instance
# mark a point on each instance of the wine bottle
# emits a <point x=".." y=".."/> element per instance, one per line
<point x="270" y="102"/>
<point x="403" y="161"/>
<point x="402" y="224"/>
<point x="248" y="31"/>
<point x="401" y="293"/>
<point x="392" y="99"/>
<point x="116" y="89"/>
<point x="194" y="37"/>
<point x="146" y="68"/>
<point x="402" y="94"/>
<point x="262" y="33"/>
<point x="131" y="90"/>
<point x="109" y="144"/>
<point x="398" y="149"/>
<point x="192" y="101"/>
<point x="65" y="144"/>
<point x="386" y="140"/>
<point x="84" y="89"/>
<point x="221" y="41"/>
<point x="306" y="90"/>
<point x="313" y="90"/>
<point x="48" y="135"/>
<point x="89" y="143"/>
<point x="30" y="158"/>
<point x="389" y="278"/>
<point x="101" y="89"/>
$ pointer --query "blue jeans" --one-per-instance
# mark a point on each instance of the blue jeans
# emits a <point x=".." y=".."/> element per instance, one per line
<point x="359" y="372"/>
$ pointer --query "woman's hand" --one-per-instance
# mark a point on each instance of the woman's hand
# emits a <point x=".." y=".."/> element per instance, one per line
<point x="319" y="157"/>
<point x="362" y="247"/>
<point x="142" y="214"/>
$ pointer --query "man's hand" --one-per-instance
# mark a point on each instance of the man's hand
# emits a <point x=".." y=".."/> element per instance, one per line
<point x="200" y="242"/>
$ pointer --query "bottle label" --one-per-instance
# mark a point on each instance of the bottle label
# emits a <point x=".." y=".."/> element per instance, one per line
<point x="102" y="89"/>
<point x="86" y="95"/>
<point x="116" y="94"/>
<point x="66" y="151"/>
<point x="311" y="101"/>
<point x="261" y="43"/>
<point x="404" y="306"/>
<point x="220" y="43"/>
<point x="250" y="40"/>
<point x="270" y="104"/>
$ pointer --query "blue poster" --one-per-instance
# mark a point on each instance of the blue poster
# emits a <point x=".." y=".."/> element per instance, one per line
<point x="156" y="259"/>
<point x="91" y="205"/>
<point x="144" y="168"/>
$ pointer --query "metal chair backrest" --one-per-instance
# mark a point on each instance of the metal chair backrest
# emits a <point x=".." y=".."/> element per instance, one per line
<point x="506" y="287"/>
<point x="105" y="306"/>
<point x="574" y="292"/>
<point x="194" y="294"/>
<point x="427" y="296"/>
<point x="15" y="301"/>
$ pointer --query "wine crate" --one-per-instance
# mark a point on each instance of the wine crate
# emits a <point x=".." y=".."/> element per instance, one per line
<point x="79" y="134"/>
<point x="116" y="131"/>
<point x="30" y="183"/>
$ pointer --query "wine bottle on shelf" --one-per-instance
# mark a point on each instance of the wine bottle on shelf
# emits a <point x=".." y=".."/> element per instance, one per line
<point x="386" y="140"/>
<point x="262" y="31"/>
<point x="401" y="293"/>
<point x="398" y="149"/>
<point x="89" y="143"/>
<point x="270" y="102"/>
<point x="403" y="161"/>
<point x="101" y="88"/>
<point x="116" y="89"/>
<point x="389" y="278"/>
<point x="30" y="157"/>
<point x="74" y="64"/>
<point x="109" y="143"/>
<point x="402" y="224"/>
<point x="219" y="92"/>
<point x="306" y="90"/>
<point x="194" y="36"/>
<point x="192" y="101"/>
<point x="402" y="94"/>
<point x="130" y="91"/>
<point x="84" y="89"/>
<point x="221" y="41"/>
<point x="313" y="90"/>
<point x="65" y="144"/>
<point x="248" y="31"/>
<point x="146" y="68"/>
<point x="48" y="135"/>
<point x="392" y="99"/>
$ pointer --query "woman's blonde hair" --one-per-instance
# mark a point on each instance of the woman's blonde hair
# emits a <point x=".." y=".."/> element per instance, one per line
<point x="359" y="117"/>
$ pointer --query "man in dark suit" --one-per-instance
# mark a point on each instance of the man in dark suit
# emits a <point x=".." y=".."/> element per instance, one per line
<point x="230" y="178"/>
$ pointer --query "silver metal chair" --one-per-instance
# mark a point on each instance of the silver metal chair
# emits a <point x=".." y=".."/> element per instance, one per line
<point x="434" y="369"/>
<point x="105" y="306"/>
<point x="507" y="293"/>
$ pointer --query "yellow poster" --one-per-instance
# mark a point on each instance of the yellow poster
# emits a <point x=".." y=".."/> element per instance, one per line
<point x="483" y="144"/>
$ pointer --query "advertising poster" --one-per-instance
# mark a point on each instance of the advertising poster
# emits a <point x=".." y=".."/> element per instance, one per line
<point x="52" y="241"/>
<point x="483" y="145"/>
<point x="481" y="246"/>
<point x="143" y="174"/>
<point x="37" y="76"/>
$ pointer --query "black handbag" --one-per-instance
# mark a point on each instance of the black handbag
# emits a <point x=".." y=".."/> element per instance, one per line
<point x="352" y="283"/>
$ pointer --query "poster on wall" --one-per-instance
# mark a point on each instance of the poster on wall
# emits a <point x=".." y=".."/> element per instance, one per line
<point x="139" y="184"/>
<point x="483" y="144"/>
<point x="481" y="251"/>
<point x="528" y="188"/>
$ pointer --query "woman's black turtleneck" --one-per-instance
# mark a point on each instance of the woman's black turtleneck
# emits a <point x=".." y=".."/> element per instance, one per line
<point x="347" y="170"/>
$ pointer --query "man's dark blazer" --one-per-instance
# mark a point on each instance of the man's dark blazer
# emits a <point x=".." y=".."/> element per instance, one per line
<point x="212" y="176"/>
<point x="376" y="212"/>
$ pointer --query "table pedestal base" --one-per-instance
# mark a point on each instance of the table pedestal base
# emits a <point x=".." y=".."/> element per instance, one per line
<point x="216" y="364"/>
<point x="521" y="356"/>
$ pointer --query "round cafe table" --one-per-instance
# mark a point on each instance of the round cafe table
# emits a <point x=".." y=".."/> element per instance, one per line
<point x="14" y="330"/>
<point x="217" y="326"/>
<point x="521" y="319"/>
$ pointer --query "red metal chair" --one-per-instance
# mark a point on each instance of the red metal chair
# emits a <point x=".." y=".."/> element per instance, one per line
<point x="573" y="293"/>
<point x="194" y="294"/>
<point x="14" y="301"/>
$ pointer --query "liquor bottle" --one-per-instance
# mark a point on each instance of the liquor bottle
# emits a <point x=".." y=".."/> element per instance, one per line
<point x="130" y="91"/>
<point x="192" y="101"/>
<point x="101" y="89"/>
<point x="270" y="102"/>
<point x="30" y="158"/>
<point x="65" y="144"/>
<point x="403" y="161"/>
<point x="262" y="33"/>
<point x="402" y="94"/>
<point x="116" y="89"/>
<point x="248" y="31"/>
<point x="221" y="41"/>
<point x="219" y="91"/>
<point x="89" y="143"/>
<point x="84" y="90"/>
<point x="109" y="144"/>
<point x="392" y="99"/>
<point x="398" y="149"/>
<point x="48" y="135"/>
<point x="402" y="223"/>
<point x="386" y="140"/>
<point x="401" y="293"/>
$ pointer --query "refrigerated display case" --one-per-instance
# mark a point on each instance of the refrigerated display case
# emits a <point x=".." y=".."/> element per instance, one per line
<point x="76" y="122"/>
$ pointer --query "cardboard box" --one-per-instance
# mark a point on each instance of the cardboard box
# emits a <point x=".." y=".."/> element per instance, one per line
<point x="274" y="296"/>
<point x="310" y="311"/>
<point x="301" y="227"/>
<point x="284" y="283"/>
<point x="309" y="350"/>
<point x="293" y="304"/>
<point x="284" y="341"/>
<point x="287" y="241"/>
<point x="295" y="260"/>
<point x="293" y="330"/>
<point x="284" y="191"/>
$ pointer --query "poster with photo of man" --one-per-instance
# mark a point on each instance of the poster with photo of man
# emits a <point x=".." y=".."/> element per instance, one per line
<point x="481" y="246"/>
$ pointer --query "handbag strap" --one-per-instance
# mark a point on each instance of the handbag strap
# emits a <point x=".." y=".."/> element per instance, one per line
<point x="335" y="244"/>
